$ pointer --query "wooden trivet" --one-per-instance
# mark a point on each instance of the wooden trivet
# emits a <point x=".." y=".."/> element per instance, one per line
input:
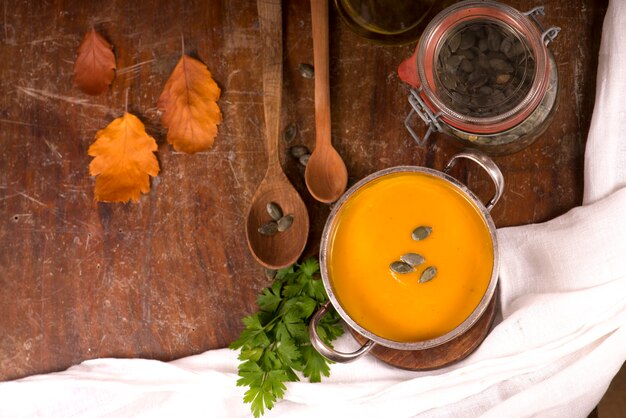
<point x="440" y="356"/>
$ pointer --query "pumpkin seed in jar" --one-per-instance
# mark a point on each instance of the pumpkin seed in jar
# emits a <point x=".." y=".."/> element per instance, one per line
<point x="428" y="274"/>
<point x="467" y="66"/>
<point x="483" y="45"/>
<point x="499" y="64"/>
<point x="412" y="259"/>
<point x="401" y="267"/>
<point x="274" y="211"/>
<point x="493" y="39"/>
<point x="421" y="232"/>
<point x="284" y="223"/>
<point x="484" y="54"/>
<point x="453" y="63"/>
<point x="503" y="78"/>
<point x="505" y="46"/>
<point x="467" y="40"/>
<point x="454" y="42"/>
<point x="447" y="81"/>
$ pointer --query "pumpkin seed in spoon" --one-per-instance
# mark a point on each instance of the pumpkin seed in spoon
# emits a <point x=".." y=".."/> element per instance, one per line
<point x="284" y="223"/>
<point x="274" y="211"/>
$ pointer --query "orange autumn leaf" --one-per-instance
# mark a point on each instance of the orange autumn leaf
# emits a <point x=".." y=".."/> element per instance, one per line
<point x="188" y="105"/>
<point x="94" y="68"/>
<point x="124" y="160"/>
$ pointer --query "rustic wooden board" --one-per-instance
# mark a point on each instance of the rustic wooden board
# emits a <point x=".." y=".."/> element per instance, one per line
<point x="442" y="355"/>
<point x="171" y="275"/>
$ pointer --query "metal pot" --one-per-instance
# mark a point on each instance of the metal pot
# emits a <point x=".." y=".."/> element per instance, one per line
<point x="496" y="175"/>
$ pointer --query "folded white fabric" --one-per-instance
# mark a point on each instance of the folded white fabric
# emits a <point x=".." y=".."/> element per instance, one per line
<point x="605" y="156"/>
<point x="561" y="339"/>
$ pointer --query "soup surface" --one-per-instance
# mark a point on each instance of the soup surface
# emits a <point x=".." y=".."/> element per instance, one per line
<point x="374" y="228"/>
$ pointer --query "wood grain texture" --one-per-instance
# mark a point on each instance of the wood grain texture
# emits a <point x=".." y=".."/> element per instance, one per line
<point x="172" y="275"/>
<point x="326" y="175"/>
<point x="283" y="248"/>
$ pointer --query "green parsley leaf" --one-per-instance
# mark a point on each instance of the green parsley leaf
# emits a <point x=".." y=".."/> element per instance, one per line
<point x="269" y="299"/>
<point x="288" y="353"/>
<point x="281" y="332"/>
<point x="253" y="335"/>
<point x="250" y="374"/>
<point x="296" y="326"/>
<point x="310" y="267"/>
<point x="293" y="290"/>
<point x="330" y="326"/>
<point x="317" y="291"/>
<point x="315" y="364"/>
<point x="276" y="379"/>
<point x="275" y="341"/>
<point x="280" y="274"/>
<point x="253" y="354"/>
<point x="259" y="397"/>
<point x="306" y="305"/>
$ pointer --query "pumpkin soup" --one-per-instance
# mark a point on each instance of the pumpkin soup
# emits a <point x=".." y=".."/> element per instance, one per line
<point x="375" y="227"/>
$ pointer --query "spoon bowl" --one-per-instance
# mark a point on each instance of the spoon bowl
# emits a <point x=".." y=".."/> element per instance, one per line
<point x="326" y="175"/>
<point x="283" y="248"/>
<point x="280" y="249"/>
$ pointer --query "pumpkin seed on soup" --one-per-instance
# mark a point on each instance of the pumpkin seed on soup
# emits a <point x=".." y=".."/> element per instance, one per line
<point x="400" y="267"/>
<point x="428" y="274"/>
<point x="412" y="259"/>
<point x="421" y="232"/>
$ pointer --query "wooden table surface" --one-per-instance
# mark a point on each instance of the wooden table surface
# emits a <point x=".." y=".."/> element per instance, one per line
<point x="171" y="275"/>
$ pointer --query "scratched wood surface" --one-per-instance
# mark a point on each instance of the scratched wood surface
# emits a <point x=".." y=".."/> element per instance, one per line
<point x="171" y="275"/>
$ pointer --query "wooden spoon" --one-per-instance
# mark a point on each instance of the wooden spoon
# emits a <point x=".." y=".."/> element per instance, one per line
<point x="326" y="174"/>
<point x="283" y="248"/>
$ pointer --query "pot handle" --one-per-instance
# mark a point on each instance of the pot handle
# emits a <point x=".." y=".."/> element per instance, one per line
<point x="488" y="165"/>
<point x="328" y="352"/>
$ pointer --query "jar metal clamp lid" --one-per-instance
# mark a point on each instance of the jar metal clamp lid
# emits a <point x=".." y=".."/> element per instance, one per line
<point x="480" y="72"/>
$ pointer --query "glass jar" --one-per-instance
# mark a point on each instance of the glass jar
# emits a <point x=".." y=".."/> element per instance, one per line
<point x="483" y="74"/>
<point x="387" y="22"/>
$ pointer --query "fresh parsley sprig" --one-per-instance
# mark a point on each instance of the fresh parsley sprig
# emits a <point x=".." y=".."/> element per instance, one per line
<point x="275" y="342"/>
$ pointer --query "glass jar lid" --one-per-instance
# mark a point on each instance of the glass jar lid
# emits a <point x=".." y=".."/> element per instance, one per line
<point x="482" y="66"/>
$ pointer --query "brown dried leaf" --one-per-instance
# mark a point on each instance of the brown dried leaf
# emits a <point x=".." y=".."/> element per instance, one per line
<point x="188" y="104"/>
<point x="94" y="68"/>
<point x="124" y="160"/>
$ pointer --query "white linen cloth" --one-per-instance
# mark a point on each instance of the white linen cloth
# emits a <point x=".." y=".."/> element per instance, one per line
<point x="561" y="340"/>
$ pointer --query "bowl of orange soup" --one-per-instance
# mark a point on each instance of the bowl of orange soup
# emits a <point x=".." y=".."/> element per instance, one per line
<point x="409" y="258"/>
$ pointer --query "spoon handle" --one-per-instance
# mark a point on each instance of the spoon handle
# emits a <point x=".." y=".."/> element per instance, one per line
<point x="270" y="18"/>
<point x="319" y="22"/>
